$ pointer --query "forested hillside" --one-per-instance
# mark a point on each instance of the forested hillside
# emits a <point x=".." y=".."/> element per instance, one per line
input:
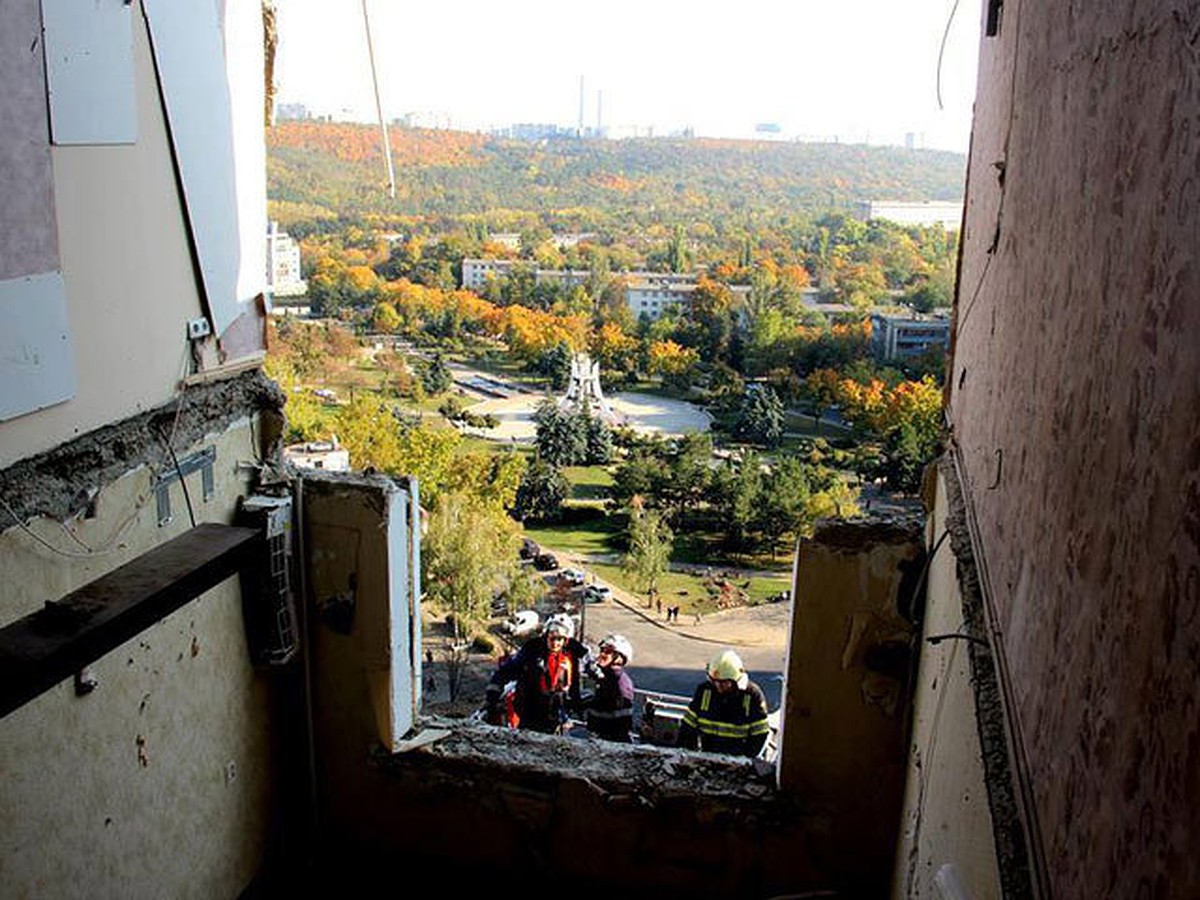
<point x="321" y="172"/>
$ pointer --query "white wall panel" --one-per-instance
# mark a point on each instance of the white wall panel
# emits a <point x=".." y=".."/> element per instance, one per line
<point x="89" y="69"/>
<point x="37" y="363"/>
<point x="190" y="59"/>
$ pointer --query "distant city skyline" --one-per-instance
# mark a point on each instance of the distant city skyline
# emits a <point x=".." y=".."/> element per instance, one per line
<point x="859" y="71"/>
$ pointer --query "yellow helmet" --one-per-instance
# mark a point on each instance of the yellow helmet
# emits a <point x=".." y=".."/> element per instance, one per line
<point x="726" y="666"/>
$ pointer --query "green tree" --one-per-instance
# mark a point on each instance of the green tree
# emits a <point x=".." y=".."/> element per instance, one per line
<point x="554" y="363"/>
<point x="650" y="543"/>
<point x="689" y="475"/>
<point x="435" y="377"/>
<point x="760" y="420"/>
<point x="739" y="491"/>
<point x="560" y="440"/>
<point x="541" y="493"/>
<point x="469" y="555"/>
<point x="784" y="505"/>
<point x="598" y="439"/>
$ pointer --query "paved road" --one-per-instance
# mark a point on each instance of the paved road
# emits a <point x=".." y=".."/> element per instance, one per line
<point x="672" y="658"/>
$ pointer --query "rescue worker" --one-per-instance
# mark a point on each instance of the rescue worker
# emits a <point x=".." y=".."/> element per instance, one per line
<point x="610" y="715"/>
<point x="728" y="713"/>
<point x="546" y="670"/>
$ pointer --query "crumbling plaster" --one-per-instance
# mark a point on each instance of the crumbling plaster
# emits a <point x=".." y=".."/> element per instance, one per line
<point x="60" y="483"/>
<point x="159" y="781"/>
<point x="1074" y="402"/>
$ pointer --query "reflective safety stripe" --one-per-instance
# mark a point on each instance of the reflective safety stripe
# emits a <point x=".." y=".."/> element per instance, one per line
<point x="689" y="718"/>
<point x="762" y="726"/>
<point x="705" y="700"/>
<point x="719" y="729"/>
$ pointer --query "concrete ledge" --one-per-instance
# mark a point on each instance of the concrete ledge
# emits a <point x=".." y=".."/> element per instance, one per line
<point x="41" y="649"/>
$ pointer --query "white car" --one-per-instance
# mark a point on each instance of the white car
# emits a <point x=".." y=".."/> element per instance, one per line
<point x="597" y="593"/>
<point x="571" y="576"/>
<point x="522" y="623"/>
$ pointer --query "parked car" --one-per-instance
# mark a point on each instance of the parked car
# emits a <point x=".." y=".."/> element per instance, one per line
<point x="522" y="623"/>
<point x="530" y="549"/>
<point x="544" y="562"/>
<point x="597" y="593"/>
<point x="572" y="576"/>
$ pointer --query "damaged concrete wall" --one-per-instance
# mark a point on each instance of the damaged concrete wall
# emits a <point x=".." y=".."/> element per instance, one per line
<point x="491" y="807"/>
<point x="159" y="781"/>
<point x="488" y="806"/>
<point x="846" y="697"/>
<point x="1075" y="393"/>
<point x="946" y="829"/>
<point x="364" y="601"/>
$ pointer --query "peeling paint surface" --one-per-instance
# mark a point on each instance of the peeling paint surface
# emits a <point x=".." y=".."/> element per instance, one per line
<point x="1075" y="405"/>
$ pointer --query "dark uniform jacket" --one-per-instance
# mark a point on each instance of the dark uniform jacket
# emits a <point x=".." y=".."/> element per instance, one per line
<point x="734" y="723"/>
<point x="546" y="688"/>
<point x="610" y="715"/>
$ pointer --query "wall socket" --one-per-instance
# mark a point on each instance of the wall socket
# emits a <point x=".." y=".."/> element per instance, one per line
<point x="198" y="328"/>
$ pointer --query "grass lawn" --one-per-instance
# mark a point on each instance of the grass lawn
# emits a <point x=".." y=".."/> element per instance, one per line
<point x="588" y="531"/>
<point x="583" y="530"/>
<point x="588" y="482"/>
<point x="472" y="444"/>
<point x="687" y="591"/>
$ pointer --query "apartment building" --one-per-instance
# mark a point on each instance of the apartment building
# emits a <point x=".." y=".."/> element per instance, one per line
<point x="903" y="337"/>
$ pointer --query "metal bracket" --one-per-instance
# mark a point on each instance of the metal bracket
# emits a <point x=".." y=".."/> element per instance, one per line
<point x="162" y="486"/>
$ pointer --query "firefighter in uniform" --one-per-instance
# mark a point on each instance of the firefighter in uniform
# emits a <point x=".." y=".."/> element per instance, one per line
<point x="610" y="715"/>
<point x="728" y="713"/>
<point x="546" y="670"/>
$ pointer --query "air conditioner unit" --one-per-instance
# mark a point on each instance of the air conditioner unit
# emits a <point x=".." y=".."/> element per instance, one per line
<point x="268" y="605"/>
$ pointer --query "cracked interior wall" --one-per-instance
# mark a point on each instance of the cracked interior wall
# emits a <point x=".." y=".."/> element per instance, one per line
<point x="159" y="781"/>
<point x="845" y="707"/>
<point x="1074" y="401"/>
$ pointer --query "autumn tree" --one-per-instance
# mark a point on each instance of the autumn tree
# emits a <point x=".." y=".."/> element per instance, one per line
<point x="676" y="364"/>
<point x="821" y="390"/>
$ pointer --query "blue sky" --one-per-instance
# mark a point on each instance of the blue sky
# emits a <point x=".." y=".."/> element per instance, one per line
<point x="855" y="70"/>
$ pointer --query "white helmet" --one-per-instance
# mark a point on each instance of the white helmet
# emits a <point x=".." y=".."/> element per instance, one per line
<point x="560" y="623"/>
<point x="618" y="643"/>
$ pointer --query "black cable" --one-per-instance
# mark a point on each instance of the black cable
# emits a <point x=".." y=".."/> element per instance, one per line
<point x="936" y="639"/>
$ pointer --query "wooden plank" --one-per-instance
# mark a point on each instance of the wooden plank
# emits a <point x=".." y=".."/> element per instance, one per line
<point x="43" y="648"/>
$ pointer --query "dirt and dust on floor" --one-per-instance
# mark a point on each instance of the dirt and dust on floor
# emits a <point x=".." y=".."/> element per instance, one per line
<point x="455" y="672"/>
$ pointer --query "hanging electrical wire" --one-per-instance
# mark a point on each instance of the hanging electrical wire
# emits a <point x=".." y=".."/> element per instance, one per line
<point x="387" y="145"/>
<point x="941" y="52"/>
